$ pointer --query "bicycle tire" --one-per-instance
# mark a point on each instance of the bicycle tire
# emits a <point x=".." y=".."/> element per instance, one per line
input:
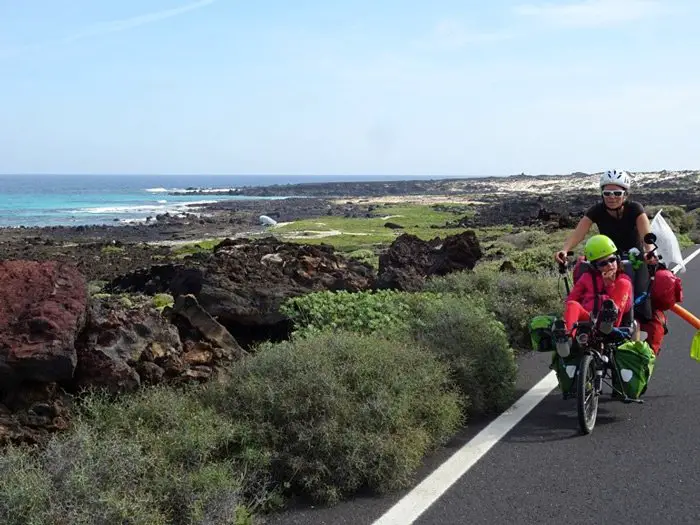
<point x="587" y="406"/>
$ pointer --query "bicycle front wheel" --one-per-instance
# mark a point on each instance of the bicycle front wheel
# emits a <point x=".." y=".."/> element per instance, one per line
<point x="586" y="394"/>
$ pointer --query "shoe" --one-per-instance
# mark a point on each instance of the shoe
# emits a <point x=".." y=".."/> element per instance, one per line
<point x="562" y="338"/>
<point x="607" y="316"/>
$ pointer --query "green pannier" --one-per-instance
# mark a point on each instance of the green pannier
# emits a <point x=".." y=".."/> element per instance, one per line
<point x="635" y="362"/>
<point x="541" y="333"/>
<point x="565" y="368"/>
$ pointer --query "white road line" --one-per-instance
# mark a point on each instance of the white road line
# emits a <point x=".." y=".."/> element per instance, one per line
<point x="412" y="505"/>
<point x="686" y="260"/>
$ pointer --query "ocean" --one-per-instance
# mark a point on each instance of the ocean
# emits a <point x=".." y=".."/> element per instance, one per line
<point x="72" y="200"/>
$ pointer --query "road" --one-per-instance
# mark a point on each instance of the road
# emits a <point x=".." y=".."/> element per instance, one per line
<point x="641" y="464"/>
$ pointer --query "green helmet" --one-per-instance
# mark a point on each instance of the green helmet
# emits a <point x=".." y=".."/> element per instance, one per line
<point x="599" y="246"/>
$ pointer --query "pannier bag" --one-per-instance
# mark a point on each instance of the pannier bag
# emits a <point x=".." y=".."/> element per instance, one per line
<point x="541" y="333"/>
<point x="635" y="362"/>
<point x="565" y="368"/>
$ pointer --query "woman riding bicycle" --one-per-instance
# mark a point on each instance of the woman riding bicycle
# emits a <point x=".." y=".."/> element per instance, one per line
<point x="607" y="287"/>
<point x="623" y="220"/>
<point x="625" y="223"/>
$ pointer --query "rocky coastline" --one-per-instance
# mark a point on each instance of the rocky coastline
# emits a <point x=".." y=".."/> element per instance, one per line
<point x="114" y="307"/>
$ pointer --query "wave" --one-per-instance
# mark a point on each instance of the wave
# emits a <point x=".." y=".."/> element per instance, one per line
<point x="190" y="190"/>
<point x="202" y="190"/>
<point x="151" y="209"/>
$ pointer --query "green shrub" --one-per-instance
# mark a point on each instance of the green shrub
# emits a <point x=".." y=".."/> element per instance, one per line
<point x="339" y="412"/>
<point x="474" y="343"/>
<point x="156" y="457"/>
<point x="514" y="298"/>
<point x="498" y="249"/>
<point x="96" y="287"/>
<point x="362" y="312"/>
<point x="680" y="221"/>
<point x="533" y="259"/>
<point x="526" y="239"/>
<point x="25" y="489"/>
<point x="685" y="240"/>
<point x="161" y="300"/>
<point x="366" y="256"/>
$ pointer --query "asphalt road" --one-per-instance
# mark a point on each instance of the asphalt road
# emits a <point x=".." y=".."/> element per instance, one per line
<point x="641" y="464"/>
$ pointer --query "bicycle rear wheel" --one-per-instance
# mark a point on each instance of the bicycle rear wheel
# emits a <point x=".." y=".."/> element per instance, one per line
<point x="586" y="394"/>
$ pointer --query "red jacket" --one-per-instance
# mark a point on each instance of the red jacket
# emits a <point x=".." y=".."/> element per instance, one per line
<point x="620" y="291"/>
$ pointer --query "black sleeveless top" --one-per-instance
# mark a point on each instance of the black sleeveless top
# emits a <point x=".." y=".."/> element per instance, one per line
<point x="623" y="231"/>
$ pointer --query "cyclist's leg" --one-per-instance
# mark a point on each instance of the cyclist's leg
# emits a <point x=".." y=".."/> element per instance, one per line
<point x="655" y="329"/>
<point x="641" y="281"/>
<point x="573" y="313"/>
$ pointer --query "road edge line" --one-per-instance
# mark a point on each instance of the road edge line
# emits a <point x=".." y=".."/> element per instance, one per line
<point x="413" y="504"/>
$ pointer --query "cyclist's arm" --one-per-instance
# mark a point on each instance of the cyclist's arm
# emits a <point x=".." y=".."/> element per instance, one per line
<point x="644" y="227"/>
<point x="578" y="234"/>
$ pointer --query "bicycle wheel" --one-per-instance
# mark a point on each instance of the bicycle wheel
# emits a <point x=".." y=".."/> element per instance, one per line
<point x="586" y="394"/>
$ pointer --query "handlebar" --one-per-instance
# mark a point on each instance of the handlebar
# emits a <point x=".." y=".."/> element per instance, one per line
<point x="563" y="267"/>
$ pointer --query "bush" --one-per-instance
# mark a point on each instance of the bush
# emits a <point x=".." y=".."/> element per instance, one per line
<point x="365" y="256"/>
<point x="680" y="221"/>
<point x="338" y="412"/>
<point x="157" y="457"/>
<point x="524" y="240"/>
<point x="382" y="311"/>
<point x="514" y="298"/>
<point x="534" y="259"/>
<point x="467" y="336"/>
<point x="161" y="300"/>
<point x="498" y="249"/>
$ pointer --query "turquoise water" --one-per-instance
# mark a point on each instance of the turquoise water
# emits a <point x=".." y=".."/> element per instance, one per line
<point x="52" y="200"/>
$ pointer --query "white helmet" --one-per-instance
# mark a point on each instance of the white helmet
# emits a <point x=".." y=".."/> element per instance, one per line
<point x="616" y="177"/>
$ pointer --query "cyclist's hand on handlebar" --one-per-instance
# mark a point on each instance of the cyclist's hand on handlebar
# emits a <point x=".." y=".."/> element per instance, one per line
<point x="651" y="258"/>
<point x="560" y="257"/>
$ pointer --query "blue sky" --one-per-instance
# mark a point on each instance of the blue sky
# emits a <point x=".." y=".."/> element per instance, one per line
<point x="363" y="87"/>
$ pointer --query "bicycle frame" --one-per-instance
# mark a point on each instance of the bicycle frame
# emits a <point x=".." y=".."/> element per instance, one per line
<point x="602" y="348"/>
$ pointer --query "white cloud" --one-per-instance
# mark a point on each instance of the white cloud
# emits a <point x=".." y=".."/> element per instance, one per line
<point x="593" y="13"/>
<point x="129" y="23"/>
<point x="450" y="34"/>
<point x="104" y="28"/>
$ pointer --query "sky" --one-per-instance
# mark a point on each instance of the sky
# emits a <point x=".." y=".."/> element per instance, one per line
<point x="439" y="87"/>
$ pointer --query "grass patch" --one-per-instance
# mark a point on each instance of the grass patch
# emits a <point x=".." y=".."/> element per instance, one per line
<point x="113" y="249"/>
<point x="424" y="221"/>
<point x="184" y="250"/>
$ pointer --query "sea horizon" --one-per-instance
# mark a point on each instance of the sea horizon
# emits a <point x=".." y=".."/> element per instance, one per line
<point x="100" y="199"/>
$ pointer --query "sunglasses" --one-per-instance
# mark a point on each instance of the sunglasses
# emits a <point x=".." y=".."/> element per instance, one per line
<point x="613" y="193"/>
<point x="605" y="262"/>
